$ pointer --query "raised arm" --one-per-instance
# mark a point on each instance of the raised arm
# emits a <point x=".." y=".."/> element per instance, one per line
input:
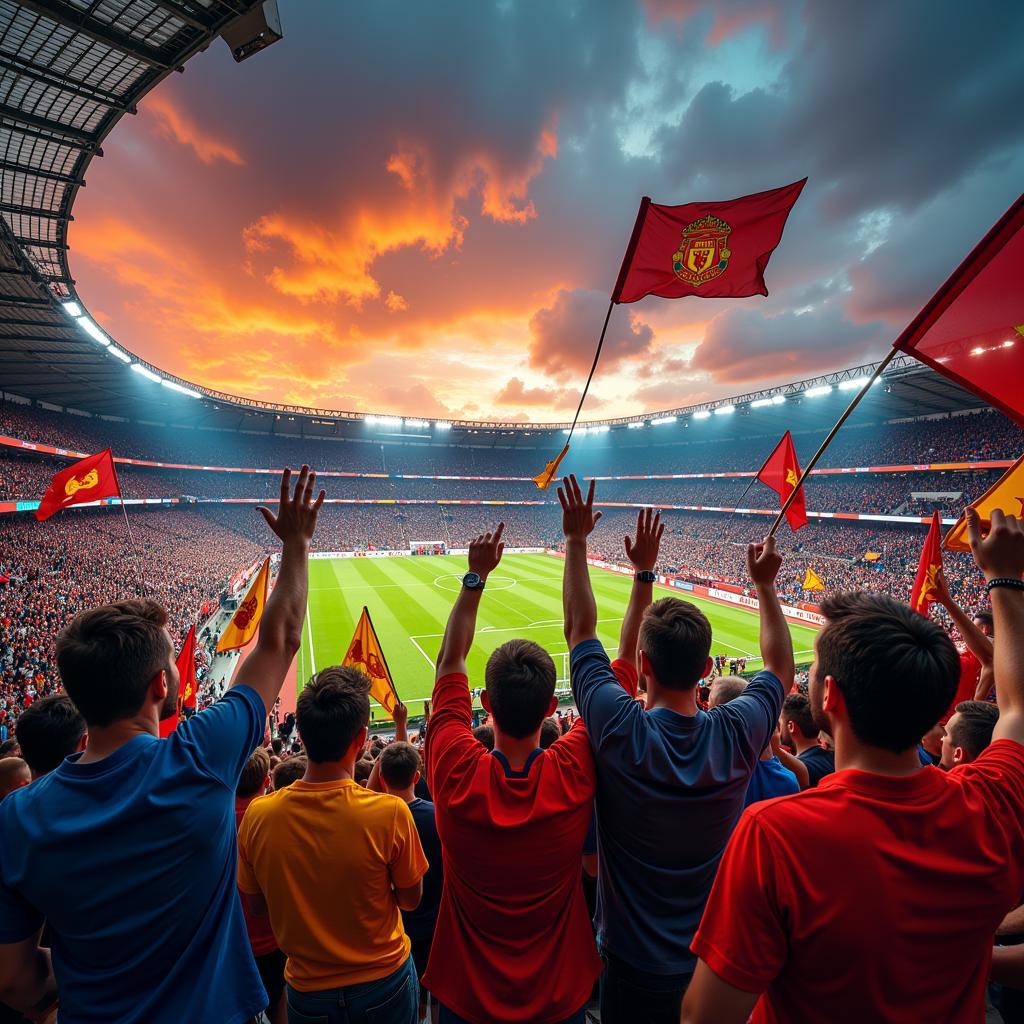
<point x="643" y="554"/>
<point x="484" y="555"/>
<point x="281" y="628"/>
<point x="763" y="564"/>
<point x="1000" y="556"/>
<point x="578" y="521"/>
<point x="977" y="643"/>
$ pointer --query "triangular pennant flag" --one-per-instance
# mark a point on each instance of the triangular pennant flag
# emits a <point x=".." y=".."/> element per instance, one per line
<point x="365" y="653"/>
<point x="781" y="472"/>
<point x="930" y="565"/>
<point x="1006" y="494"/>
<point x="187" y="685"/>
<point x="812" y="581"/>
<point x="246" y="620"/>
<point x="543" y="480"/>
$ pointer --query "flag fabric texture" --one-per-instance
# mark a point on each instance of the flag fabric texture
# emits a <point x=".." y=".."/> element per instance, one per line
<point x="928" y="568"/>
<point x="168" y="725"/>
<point x="1006" y="494"/>
<point x="246" y="620"/>
<point x="712" y="250"/>
<point x="365" y="653"/>
<point x="812" y="581"/>
<point x="188" y="686"/>
<point x="972" y="330"/>
<point x="543" y="480"/>
<point x="89" y="479"/>
<point x="781" y="472"/>
<point x="872" y="556"/>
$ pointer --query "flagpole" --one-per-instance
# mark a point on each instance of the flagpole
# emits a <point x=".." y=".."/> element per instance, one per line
<point x="593" y="367"/>
<point x="893" y="352"/>
<point x="143" y="587"/>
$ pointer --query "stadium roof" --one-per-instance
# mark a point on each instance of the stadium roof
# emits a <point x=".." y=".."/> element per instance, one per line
<point x="68" y="72"/>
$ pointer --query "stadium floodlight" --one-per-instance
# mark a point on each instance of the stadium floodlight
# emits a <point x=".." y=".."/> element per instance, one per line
<point x="825" y="389"/>
<point x="778" y="399"/>
<point x="442" y="426"/>
<point x="93" y="331"/>
<point x="146" y="372"/>
<point x="636" y="425"/>
<point x="180" y="388"/>
<point x="663" y="419"/>
<point x="566" y="430"/>
<point x="119" y="353"/>
<point x="702" y="414"/>
<point x="725" y="410"/>
<point x="72" y="309"/>
<point x="253" y="31"/>
<point x="417" y="423"/>
<point x="854" y="384"/>
<point x="760" y="403"/>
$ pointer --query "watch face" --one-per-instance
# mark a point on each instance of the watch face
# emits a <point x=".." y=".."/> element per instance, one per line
<point x="471" y="580"/>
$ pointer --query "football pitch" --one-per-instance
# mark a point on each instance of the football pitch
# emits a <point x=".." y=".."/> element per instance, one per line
<point x="409" y="600"/>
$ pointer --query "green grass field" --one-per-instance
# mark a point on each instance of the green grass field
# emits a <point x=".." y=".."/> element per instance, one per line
<point x="409" y="600"/>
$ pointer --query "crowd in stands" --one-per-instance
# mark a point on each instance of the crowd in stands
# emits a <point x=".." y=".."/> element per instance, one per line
<point x="691" y="848"/>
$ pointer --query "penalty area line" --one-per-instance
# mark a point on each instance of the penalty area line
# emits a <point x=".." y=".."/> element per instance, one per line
<point x="309" y="629"/>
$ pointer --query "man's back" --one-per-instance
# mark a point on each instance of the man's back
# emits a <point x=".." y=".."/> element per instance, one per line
<point x="879" y="894"/>
<point x="131" y="860"/>
<point x="420" y="923"/>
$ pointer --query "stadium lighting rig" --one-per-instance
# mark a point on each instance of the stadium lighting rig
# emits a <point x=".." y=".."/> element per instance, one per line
<point x="725" y="410"/>
<point x="145" y="371"/>
<point x="662" y="420"/>
<point x="639" y="425"/>
<point x="702" y="414"/>
<point x="442" y="426"/>
<point x="854" y="384"/>
<point x="825" y="389"/>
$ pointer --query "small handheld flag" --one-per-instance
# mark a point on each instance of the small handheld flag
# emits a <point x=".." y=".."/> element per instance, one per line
<point x="781" y="472"/>
<point x="186" y="663"/>
<point x="246" y="620"/>
<point x="365" y="653"/>
<point x="872" y="556"/>
<point x="928" y="568"/>
<point x="543" y="480"/>
<point x="89" y="479"/>
<point x="812" y="581"/>
<point x="1006" y="494"/>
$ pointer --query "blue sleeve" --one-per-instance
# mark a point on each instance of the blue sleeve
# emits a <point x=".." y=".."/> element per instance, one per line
<point x="605" y="707"/>
<point x="220" y="739"/>
<point x="755" y="712"/>
<point x="18" y="918"/>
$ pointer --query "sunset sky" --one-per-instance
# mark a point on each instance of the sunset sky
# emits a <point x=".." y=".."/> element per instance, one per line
<point x="421" y="208"/>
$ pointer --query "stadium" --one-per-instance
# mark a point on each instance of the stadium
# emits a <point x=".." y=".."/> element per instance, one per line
<point x="406" y="494"/>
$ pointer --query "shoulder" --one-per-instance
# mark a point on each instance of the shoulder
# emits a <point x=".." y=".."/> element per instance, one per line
<point x="999" y="766"/>
<point x="589" y="658"/>
<point x="764" y="680"/>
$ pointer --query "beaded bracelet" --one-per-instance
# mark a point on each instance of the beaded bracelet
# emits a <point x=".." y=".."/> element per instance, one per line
<point x="1004" y="581"/>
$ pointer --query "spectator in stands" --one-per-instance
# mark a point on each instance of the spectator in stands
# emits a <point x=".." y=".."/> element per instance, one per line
<point x="400" y="769"/>
<point x="550" y="731"/>
<point x="801" y="731"/>
<point x="903" y="841"/>
<point x="253" y="783"/>
<point x="14" y="774"/>
<point x="48" y="731"/>
<point x="976" y="659"/>
<point x="128" y="849"/>
<point x="672" y="778"/>
<point x="288" y="771"/>
<point x="968" y="732"/>
<point x="484" y="735"/>
<point x="512" y="823"/>
<point x="342" y="934"/>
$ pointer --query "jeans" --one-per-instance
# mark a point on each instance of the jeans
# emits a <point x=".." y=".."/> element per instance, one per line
<point x="391" y="1000"/>
<point x="632" y="996"/>
<point x="447" y="1017"/>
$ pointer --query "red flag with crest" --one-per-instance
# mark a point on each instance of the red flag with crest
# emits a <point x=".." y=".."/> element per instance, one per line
<point x="928" y="568"/>
<point x="89" y="479"/>
<point x="781" y="472"/>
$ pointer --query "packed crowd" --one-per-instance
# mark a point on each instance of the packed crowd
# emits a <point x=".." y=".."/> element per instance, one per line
<point x="683" y="852"/>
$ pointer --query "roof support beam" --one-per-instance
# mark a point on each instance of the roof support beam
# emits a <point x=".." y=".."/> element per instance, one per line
<point x="44" y="124"/>
<point x="179" y="12"/>
<point x="26" y="68"/>
<point x="40" y="243"/>
<point x="23" y="300"/>
<point x="38" y="172"/>
<point x="33" y="211"/>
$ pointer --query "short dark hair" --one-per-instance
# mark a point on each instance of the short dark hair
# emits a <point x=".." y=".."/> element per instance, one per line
<point x="108" y="656"/>
<point x="676" y="637"/>
<point x="897" y="671"/>
<point x="255" y="770"/>
<point x="48" y="730"/>
<point x="331" y="710"/>
<point x="399" y="763"/>
<point x="363" y="770"/>
<point x="797" y="708"/>
<point x="976" y="719"/>
<point x="9" y="747"/>
<point x="984" y="616"/>
<point x="288" y="771"/>
<point x="520" y="680"/>
<point x="549" y="732"/>
<point x="484" y="734"/>
<point x="277" y="745"/>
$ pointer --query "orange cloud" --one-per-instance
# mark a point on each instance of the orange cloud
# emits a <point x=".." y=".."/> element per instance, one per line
<point x="172" y="123"/>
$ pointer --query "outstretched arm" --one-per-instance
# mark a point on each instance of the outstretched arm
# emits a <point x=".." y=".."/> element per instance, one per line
<point x="643" y="554"/>
<point x="484" y="555"/>
<point x="281" y="628"/>
<point x="977" y="643"/>
<point x="578" y="604"/>
<point x="763" y="564"/>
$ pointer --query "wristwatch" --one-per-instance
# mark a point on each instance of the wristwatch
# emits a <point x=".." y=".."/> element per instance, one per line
<point x="473" y="581"/>
<point x="646" y="576"/>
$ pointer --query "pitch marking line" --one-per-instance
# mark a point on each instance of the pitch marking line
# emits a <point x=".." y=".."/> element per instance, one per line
<point x="309" y="629"/>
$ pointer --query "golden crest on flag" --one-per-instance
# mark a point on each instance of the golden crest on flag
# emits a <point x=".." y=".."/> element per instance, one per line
<point x="704" y="252"/>
<point x="82" y="483"/>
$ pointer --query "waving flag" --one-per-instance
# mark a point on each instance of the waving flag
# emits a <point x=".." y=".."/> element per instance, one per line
<point x="365" y="653"/>
<point x="543" y="479"/>
<point x="188" y="686"/>
<point x="872" y="556"/>
<point x="90" y="479"/>
<point x="246" y="620"/>
<point x="1006" y="494"/>
<point x="781" y="472"/>
<point x="928" y="568"/>
<point x="812" y="581"/>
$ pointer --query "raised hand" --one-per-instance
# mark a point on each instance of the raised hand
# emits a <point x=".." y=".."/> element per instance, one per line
<point x="296" y="513"/>
<point x="578" y="515"/>
<point x="643" y="552"/>
<point x="999" y="554"/>
<point x="485" y="552"/>
<point x="764" y="562"/>
<point x="400" y="714"/>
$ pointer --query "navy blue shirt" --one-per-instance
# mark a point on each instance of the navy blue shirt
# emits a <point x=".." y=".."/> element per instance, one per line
<point x="419" y="923"/>
<point x="770" y="779"/>
<point x="670" y="789"/>
<point x="131" y="860"/>
<point x="820" y="762"/>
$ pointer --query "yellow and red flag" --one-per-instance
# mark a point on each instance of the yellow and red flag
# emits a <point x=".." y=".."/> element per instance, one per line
<point x="365" y="653"/>
<point x="781" y="472"/>
<point x="1006" y="494"/>
<point x="872" y="556"/>
<point x="928" y="568"/>
<point x="89" y="479"/>
<point x="188" y="686"/>
<point x="543" y="480"/>
<point x="812" y="581"/>
<point x="246" y="620"/>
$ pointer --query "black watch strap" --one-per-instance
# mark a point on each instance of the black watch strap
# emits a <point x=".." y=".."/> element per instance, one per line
<point x="646" y="576"/>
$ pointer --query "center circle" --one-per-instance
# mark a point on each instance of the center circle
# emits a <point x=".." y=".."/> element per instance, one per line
<point x="493" y="583"/>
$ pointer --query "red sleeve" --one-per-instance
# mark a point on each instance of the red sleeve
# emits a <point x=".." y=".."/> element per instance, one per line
<point x="576" y="758"/>
<point x="996" y="778"/>
<point x="450" y="741"/>
<point x="627" y="676"/>
<point x="742" y="937"/>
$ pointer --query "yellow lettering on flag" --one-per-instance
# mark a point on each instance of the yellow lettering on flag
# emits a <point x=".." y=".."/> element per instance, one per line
<point x="872" y="556"/>
<point x="365" y="653"/>
<point x="543" y="480"/>
<point x="246" y="620"/>
<point x="1006" y="494"/>
<point x="812" y="581"/>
